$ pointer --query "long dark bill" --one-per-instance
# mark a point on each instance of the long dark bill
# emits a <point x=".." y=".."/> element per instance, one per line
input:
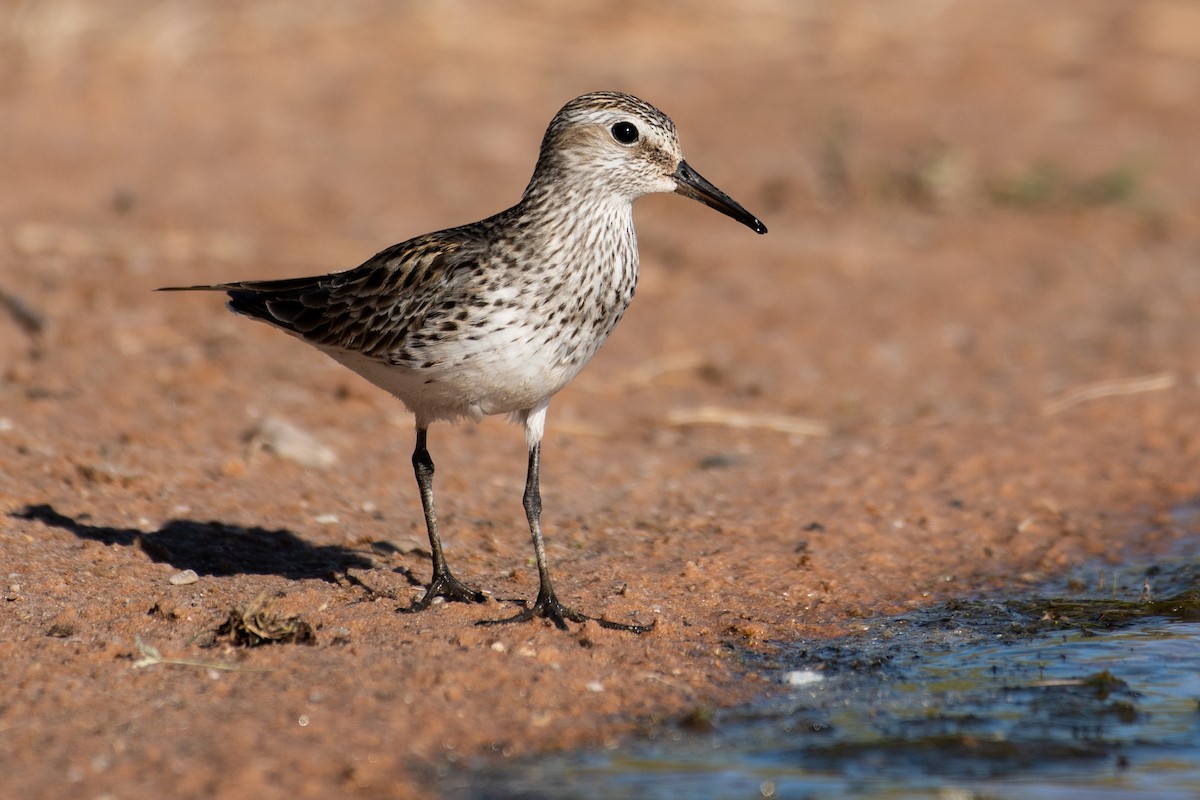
<point x="690" y="183"/>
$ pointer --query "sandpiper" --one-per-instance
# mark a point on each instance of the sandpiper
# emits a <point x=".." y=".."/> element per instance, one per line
<point x="497" y="316"/>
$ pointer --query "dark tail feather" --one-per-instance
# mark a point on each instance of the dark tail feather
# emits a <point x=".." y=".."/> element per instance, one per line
<point x="282" y="286"/>
<point x="278" y="302"/>
<point x="217" y="287"/>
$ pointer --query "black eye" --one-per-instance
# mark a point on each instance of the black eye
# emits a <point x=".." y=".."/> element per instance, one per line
<point x="625" y="132"/>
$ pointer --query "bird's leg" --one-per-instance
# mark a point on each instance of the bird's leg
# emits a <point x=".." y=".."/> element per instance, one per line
<point x="547" y="604"/>
<point x="444" y="584"/>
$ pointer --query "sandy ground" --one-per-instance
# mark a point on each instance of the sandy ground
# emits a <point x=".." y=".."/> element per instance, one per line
<point x="978" y="292"/>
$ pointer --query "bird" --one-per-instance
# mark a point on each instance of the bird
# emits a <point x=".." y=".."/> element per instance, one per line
<point x="497" y="316"/>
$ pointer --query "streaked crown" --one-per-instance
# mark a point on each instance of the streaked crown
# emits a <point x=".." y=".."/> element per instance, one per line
<point x="614" y="141"/>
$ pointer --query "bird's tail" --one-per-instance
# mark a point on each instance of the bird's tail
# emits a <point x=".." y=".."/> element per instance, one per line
<point x="275" y="301"/>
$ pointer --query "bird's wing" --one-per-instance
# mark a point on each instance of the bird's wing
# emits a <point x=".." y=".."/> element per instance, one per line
<point x="372" y="309"/>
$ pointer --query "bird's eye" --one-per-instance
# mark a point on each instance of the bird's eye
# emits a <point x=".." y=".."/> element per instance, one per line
<point x="625" y="132"/>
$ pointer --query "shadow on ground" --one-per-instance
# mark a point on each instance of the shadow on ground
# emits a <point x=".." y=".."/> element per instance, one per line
<point x="216" y="548"/>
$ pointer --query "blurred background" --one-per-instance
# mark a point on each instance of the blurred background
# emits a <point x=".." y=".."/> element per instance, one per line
<point x="372" y="120"/>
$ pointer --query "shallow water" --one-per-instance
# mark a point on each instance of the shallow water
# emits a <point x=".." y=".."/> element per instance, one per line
<point x="1061" y="697"/>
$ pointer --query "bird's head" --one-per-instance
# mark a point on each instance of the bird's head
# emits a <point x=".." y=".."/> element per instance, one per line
<point x="615" y="143"/>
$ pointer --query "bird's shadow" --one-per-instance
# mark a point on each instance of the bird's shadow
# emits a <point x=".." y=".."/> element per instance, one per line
<point x="216" y="548"/>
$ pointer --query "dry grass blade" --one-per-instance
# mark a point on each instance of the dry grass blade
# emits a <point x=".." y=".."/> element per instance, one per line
<point x="714" y="415"/>
<point x="645" y="374"/>
<point x="1112" y="388"/>
<point x="649" y="372"/>
<point x="152" y="657"/>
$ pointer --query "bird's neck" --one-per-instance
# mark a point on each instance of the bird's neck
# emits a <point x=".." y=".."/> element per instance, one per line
<point x="577" y="219"/>
<point x="584" y="238"/>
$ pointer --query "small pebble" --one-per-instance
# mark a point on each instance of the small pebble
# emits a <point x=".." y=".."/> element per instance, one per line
<point x="290" y="442"/>
<point x="184" y="578"/>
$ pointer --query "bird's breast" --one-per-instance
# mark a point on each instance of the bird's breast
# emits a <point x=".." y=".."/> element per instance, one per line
<point x="517" y="335"/>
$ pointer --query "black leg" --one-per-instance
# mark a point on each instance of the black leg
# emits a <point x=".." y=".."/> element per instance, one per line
<point x="443" y="584"/>
<point x="547" y="604"/>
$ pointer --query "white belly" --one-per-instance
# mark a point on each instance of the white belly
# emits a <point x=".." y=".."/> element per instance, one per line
<point x="480" y="381"/>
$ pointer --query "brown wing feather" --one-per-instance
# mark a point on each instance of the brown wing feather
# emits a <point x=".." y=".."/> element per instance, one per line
<point x="371" y="309"/>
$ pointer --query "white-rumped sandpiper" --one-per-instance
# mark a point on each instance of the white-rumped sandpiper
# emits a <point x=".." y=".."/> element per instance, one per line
<point x="497" y="316"/>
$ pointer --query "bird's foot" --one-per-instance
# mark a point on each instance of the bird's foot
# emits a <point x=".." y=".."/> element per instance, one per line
<point x="447" y="587"/>
<point x="548" y="607"/>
